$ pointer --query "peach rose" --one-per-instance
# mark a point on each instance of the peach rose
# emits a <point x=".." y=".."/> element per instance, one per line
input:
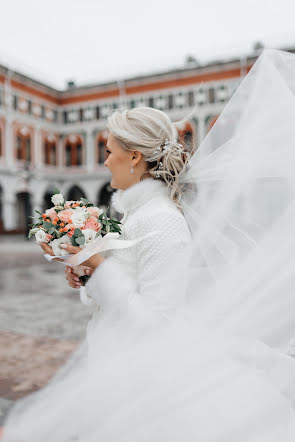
<point x="49" y="237"/>
<point x="69" y="228"/>
<point x="65" y="215"/>
<point x="69" y="203"/>
<point x="94" y="211"/>
<point x="51" y="213"/>
<point x="91" y="223"/>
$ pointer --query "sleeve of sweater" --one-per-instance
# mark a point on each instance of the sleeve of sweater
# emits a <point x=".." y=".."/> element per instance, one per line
<point x="160" y="283"/>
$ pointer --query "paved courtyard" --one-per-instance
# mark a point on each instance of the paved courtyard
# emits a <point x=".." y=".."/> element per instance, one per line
<point x="41" y="319"/>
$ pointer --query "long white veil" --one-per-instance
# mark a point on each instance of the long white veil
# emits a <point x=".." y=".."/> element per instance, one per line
<point x="242" y="213"/>
<point x="222" y="371"/>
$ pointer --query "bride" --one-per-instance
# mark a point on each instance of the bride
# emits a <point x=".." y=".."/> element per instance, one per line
<point x="193" y="326"/>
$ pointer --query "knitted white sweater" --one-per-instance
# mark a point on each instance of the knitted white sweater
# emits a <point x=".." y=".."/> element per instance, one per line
<point x="145" y="281"/>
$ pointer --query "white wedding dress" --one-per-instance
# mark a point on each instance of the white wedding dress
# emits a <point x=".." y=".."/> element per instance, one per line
<point x="193" y="328"/>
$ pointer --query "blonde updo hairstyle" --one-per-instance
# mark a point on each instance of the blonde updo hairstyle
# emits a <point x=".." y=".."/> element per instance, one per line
<point x="145" y="129"/>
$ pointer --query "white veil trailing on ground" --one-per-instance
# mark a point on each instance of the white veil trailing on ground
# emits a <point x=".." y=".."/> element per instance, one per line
<point x="222" y="370"/>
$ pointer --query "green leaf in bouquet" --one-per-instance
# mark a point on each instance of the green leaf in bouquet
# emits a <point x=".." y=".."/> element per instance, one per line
<point x="73" y="241"/>
<point x="46" y="225"/>
<point x="78" y="232"/>
<point x="80" y="240"/>
<point x="55" y="191"/>
<point x="38" y="212"/>
<point x="51" y="230"/>
<point x="84" y="201"/>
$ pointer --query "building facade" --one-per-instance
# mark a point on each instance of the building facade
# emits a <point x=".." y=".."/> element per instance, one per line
<point x="56" y="139"/>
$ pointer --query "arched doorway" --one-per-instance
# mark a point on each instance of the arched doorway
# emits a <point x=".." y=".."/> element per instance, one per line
<point x="47" y="203"/>
<point x="75" y="193"/>
<point x="24" y="211"/>
<point x="104" y="199"/>
<point x="73" y="151"/>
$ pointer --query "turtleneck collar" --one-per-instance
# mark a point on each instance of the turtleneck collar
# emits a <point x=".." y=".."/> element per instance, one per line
<point x="125" y="201"/>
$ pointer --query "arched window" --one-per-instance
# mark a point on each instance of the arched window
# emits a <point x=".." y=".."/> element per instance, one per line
<point x="50" y="150"/>
<point x="23" y="144"/>
<point x="186" y="137"/>
<point x="101" y="144"/>
<point x="74" y="151"/>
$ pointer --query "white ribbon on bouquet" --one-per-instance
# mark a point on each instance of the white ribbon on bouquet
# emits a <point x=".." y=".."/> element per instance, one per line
<point x="110" y="241"/>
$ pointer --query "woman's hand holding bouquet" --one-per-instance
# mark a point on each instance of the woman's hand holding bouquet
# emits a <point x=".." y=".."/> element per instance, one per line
<point x="69" y="227"/>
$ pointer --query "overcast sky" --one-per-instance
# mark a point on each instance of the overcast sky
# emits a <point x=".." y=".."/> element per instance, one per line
<point x="94" y="40"/>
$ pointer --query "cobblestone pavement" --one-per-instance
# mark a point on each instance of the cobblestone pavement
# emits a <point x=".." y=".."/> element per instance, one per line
<point x="41" y="319"/>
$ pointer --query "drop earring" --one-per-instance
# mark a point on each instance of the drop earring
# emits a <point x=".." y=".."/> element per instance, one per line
<point x="131" y="170"/>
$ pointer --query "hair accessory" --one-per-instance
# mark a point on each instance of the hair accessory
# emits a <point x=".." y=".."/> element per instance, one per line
<point x="162" y="149"/>
<point x="158" y="169"/>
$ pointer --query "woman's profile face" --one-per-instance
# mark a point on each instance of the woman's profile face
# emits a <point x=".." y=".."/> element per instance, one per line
<point x="119" y="164"/>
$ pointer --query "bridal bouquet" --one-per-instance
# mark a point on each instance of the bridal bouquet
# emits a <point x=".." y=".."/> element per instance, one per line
<point x="75" y="222"/>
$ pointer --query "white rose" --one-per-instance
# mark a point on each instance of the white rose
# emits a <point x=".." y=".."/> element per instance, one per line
<point x="57" y="199"/>
<point x="41" y="236"/>
<point x="79" y="217"/>
<point x="89" y="235"/>
<point x="55" y="244"/>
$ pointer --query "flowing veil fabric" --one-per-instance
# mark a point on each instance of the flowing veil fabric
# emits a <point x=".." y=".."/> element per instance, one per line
<point x="222" y="370"/>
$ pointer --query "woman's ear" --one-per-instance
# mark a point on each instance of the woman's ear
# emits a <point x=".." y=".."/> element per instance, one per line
<point x="136" y="157"/>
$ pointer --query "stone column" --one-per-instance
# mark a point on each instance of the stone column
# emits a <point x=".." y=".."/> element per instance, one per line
<point x="37" y="148"/>
<point x="60" y="153"/>
<point x="89" y="145"/>
<point x="9" y="212"/>
<point x="9" y="143"/>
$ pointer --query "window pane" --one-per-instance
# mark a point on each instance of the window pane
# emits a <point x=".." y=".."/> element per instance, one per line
<point x="191" y="98"/>
<point x="79" y="154"/>
<point x="151" y="102"/>
<point x="68" y="155"/>
<point x="211" y="95"/>
<point x="28" y="149"/>
<point x="18" y="147"/>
